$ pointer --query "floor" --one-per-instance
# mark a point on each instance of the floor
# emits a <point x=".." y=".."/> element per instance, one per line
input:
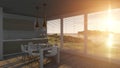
<point x="69" y="60"/>
<point x="74" y="61"/>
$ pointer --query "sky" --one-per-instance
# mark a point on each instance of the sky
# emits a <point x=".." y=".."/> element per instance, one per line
<point x="108" y="20"/>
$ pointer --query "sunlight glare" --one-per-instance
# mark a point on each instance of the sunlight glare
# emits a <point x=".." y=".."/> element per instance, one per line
<point x="109" y="23"/>
<point x="110" y="40"/>
<point x="110" y="26"/>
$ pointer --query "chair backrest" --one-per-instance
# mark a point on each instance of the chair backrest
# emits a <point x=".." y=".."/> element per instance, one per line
<point x="24" y="48"/>
<point x="53" y="51"/>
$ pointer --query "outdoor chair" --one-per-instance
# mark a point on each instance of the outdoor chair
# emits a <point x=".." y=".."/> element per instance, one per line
<point x="33" y="50"/>
<point x="52" y="52"/>
<point x="24" y="48"/>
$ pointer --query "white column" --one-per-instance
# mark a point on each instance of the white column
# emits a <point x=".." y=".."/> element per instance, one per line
<point x="1" y="33"/>
<point x="85" y="33"/>
<point x="61" y="33"/>
<point x="61" y="40"/>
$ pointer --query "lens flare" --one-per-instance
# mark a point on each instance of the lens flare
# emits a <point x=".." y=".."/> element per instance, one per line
<point x="110" y="40"/>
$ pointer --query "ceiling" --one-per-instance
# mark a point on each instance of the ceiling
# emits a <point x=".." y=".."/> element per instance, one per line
<point x="56" y="8"/>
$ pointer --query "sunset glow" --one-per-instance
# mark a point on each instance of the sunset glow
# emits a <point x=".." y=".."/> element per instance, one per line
<point x="110" y="26"/>
<point x="109" y="23"/>
<point x="110" y="40"/>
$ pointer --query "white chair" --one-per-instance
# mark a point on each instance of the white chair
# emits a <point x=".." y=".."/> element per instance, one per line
<point x="52" y="52"/>
<point x="24" y="48"/>
<point x="33" y="50"/>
